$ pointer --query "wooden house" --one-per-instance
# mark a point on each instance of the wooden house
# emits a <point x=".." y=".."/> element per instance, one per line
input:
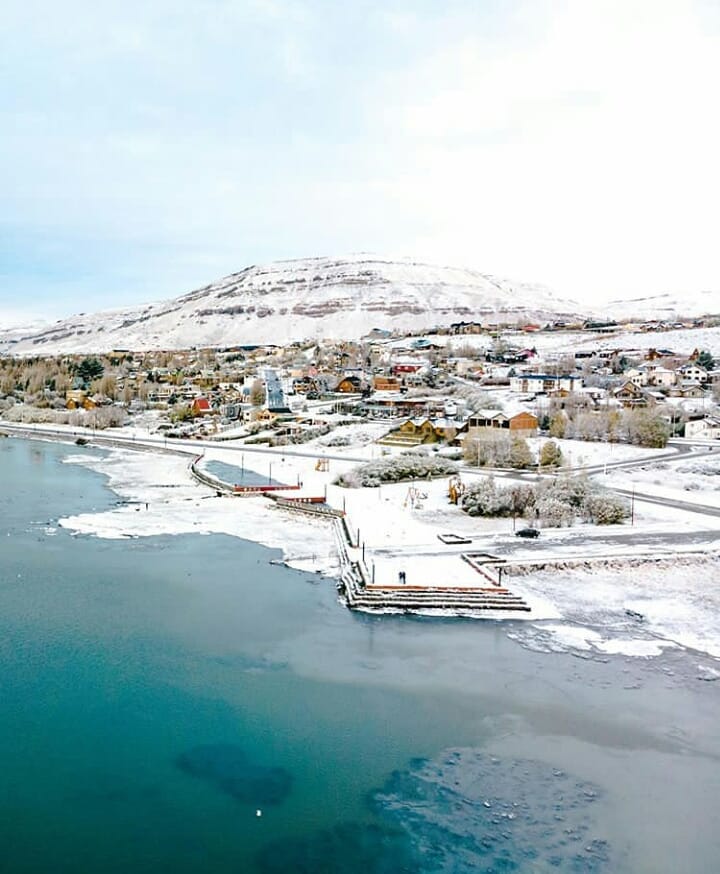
<point x="350" y="385"/>
<point x="386" y="383"/>
<point x="200" y="407"/>
<point x="520" y="424"/>
<point x="630" y="395"/>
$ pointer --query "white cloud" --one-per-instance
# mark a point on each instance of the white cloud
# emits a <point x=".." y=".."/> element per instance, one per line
<point x="584" y="156"/>
<point x="572" y="142"/>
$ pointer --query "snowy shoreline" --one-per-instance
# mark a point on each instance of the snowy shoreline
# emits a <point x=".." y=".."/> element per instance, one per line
<point x="580" y="610"/>
<point x="162" y="499"/>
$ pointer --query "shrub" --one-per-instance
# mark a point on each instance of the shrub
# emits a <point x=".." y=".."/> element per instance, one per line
<point x="552" y="511"/>
<point x="646" y="428"/>
<point x="498" y="450"/>
<point x="408" y="466"/>
<point x="486" y="498"/>
<point x="551" y="503"/>
<point x="558" y="424"/>
<point x="520" y="455"/>
<point x="551" y="455"/>
<point x="606" y="509"/>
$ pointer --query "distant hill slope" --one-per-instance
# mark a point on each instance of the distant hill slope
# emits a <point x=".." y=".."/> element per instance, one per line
<point x="309" y="298"/>
<point x="11" y="333"/>
<point x="667" y="307"/>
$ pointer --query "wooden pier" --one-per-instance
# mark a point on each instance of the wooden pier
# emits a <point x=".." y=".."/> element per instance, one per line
<point x="360" y="593"/>
<point x="356" y="586"/>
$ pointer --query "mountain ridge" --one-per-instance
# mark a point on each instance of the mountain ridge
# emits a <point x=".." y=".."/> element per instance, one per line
<point x="306" y="298"/>
<point x="330" y="298"/>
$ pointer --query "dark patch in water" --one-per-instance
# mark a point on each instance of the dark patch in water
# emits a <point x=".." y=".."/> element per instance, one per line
<point x="476" y="812"/>
<point x="348" y="848"/>
<point x="227" y="767"/>
<point x="460" y="813"/>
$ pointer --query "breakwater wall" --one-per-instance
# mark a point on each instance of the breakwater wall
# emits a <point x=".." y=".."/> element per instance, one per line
<point x="213" y="482"/>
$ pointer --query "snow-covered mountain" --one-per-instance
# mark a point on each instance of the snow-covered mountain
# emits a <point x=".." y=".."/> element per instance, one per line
<point x="11" y="333"/>
<point x="311" y="298"/>
<point x="668" y="306"/>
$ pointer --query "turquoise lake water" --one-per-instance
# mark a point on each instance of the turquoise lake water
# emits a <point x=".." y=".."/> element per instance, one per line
<point x="157" y="693"/>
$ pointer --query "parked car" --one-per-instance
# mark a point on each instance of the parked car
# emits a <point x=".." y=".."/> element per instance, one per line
<point x="527" y="532"/>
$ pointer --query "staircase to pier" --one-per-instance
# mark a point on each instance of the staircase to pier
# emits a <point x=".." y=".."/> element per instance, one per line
<point x="361" y="594"/>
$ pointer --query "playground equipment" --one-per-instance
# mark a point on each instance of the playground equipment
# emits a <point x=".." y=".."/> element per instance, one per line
<point x="415" y="497"/>
<point x="456" y="489"/>
<point x="322" y="464"/>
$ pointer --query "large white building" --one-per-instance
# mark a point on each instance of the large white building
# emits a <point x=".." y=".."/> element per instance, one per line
<point x="539" y="383"/>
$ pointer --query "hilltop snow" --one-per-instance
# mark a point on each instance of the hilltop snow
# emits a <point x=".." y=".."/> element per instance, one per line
<point x="306" y="299"/>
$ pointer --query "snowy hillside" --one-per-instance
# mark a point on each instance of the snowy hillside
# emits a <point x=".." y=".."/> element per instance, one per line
<point x="668" y="306"/>
<point x="308" y="298"/>
<point x="11" y="333"/>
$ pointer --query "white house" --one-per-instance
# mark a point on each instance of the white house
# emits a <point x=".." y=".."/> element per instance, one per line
<point x="651" y="373"/>
<point x="538" y="383"/>
<point x="704" y="429"/>
<point x="692" y="372"/>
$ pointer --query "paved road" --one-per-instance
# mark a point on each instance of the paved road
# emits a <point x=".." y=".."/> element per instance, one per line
<point x="682" y="452"/>
<point x="704" y="509"/>
<point x="196" y="446"/>
<point x="169" y="443"/>
<point x="508" y="545"/>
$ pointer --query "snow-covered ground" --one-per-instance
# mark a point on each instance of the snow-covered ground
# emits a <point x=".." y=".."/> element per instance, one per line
<point x="583" y="453"/>
<point x="284" y="301"/>
<point x="681" y="340"/>
<point x="694" y="481"/>
<point x="399" y="525"/>
<point x="672" y="603"/>
<point x="163" y="499"/>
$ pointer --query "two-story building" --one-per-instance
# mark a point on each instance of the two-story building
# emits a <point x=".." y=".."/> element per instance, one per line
<point x="542" y="383"/>
<point x="652" y="373"/>
<point x="692" y="372"/>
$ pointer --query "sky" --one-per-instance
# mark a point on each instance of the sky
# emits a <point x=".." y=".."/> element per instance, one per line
<point x="148" y="148"/>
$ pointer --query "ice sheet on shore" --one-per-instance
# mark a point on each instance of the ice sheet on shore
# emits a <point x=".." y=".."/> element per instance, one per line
<point x="678" y="600"/>
<point x="162" y="499"/>
<point x="638" y="611"/>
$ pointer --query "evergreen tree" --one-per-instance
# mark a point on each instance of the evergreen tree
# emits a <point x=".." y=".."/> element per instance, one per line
<point x="90" y="369"/>
<point x="551" y="455"/>
<point x="705" y="360"/>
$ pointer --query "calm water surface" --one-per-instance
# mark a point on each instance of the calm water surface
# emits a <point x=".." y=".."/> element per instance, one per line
<point x="156" y="693"/>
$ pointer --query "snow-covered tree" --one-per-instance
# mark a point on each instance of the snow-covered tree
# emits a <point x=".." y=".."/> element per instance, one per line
<point x="408" y="466"/>
<point x="551" y="455"/>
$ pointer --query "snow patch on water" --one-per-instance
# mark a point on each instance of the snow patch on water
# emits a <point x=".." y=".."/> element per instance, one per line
<point x="160" y="498"/>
